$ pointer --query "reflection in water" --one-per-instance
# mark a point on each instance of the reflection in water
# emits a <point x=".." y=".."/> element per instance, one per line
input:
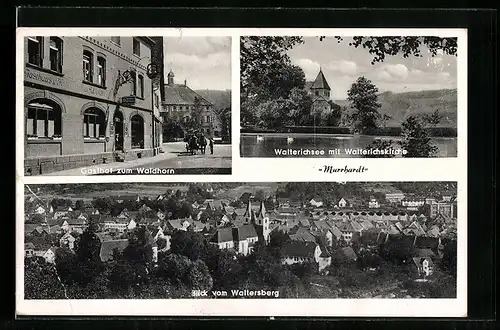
<point x="252" y="145"/>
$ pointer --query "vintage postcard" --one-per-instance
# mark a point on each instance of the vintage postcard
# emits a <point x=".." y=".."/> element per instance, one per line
<point x="341" y="95"/>
<point x="101" y="104"/>
<point x="347" y="196"/>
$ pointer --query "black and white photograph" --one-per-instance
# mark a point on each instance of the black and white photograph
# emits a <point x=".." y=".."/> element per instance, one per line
<point x="125" y="105"/>
<point x="267" y="240"/>
<point x="349" y="96"/>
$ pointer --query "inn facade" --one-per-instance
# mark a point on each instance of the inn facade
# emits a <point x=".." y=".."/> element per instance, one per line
<point x="88" y="99"/>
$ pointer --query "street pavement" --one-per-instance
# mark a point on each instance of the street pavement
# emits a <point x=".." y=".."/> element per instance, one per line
<point x="174" y="157"/>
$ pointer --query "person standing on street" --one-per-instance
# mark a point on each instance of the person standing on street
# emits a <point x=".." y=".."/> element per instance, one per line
<point x="211" y="146"/>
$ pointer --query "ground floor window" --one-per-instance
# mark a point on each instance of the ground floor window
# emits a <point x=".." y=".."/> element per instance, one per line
<point x="43" y="120"/>
<point x="93" y="123"/>
<point x="137" y="128"/>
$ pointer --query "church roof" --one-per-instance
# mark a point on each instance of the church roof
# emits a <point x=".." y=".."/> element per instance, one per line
<point x="177" y="94"/>
<point x="320" y="82"/>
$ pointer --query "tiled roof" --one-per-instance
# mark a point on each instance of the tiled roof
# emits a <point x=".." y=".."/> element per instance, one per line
<point x="178" y="94"/>
<point x="223" y="235"/>
<point x="303" y="237"/>
<point x="299" y="249"/>
<point x="320" y="82"/>
<point x="244" y="232"/>
<point x="348" y="252"/>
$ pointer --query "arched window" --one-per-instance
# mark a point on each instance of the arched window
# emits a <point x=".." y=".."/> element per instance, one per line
<point x="137" y="128"/>
<point x="43" y="120"/>
<point x="133" y="78"/>
<point x="93" y="124"/>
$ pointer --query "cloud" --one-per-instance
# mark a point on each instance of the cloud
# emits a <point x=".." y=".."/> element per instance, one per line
<point x="349" y="68"/>
<point x="311" y="68"/>
<point x="392" y="72"/>
<point x="197" y="45"/>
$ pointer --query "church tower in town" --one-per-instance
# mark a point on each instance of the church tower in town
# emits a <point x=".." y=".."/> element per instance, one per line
<point x="259" y="220"/>
<point x="320" y="93"/>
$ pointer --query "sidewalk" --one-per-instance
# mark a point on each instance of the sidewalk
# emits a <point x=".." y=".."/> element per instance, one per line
<point x="170" y="158"/>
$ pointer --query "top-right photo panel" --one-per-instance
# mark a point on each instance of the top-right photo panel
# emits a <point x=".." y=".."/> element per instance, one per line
<point x="348" y="97"/>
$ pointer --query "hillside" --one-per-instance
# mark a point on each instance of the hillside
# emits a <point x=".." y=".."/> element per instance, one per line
<point x="401" y="105"/>
<point x="220" y="99"/>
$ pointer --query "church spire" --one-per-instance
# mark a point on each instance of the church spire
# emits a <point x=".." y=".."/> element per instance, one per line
<point x="320" y="81"/>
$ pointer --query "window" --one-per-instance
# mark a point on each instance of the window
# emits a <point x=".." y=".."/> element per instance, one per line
<point x="101" y="71"/>
<point x="133" y="82"/>
<point x="43" y="120"/>
<point x="55" y="54"/>
<point x="137" y="47"/>
<point x="208" y="119"/>
<point x="141" y="86"/>
<point x="93" y="123"/>
<point x="88" y="59"/>
<point x="116" y="40"/>
<point x="35" y="47"/>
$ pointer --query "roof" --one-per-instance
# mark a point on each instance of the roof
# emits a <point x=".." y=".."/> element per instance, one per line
<point x="76" y="221"/>
<point x="223" y="235"/>
<point x="345" y="226"/>
<point x="303" y="237"/>
<point x="29" y="246"/>
<point x="320" y="82"/>
<point x="243" y="232"/>
<point x="299" y="249"/>
<point x="179" y="94"/>
<point x="107" y="248"/>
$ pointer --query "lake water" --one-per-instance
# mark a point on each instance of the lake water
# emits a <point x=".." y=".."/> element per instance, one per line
<point x="333" y="146"/>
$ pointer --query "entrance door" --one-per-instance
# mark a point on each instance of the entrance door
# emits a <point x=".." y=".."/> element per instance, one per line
<point x="118" y="120"/>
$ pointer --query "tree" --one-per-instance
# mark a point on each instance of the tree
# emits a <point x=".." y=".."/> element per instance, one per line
<point x="380" y="145"/>
<point x="41" y="281"/>
<point x="162" y="243"/>
<point x="380" y="47"/>
<point x="363" y="97"/>
<point x="260" y="195"/>
<point x="79" y="205"/>
<point x="416" y="140"/>
<point x="88" y="254"/>
<point x="433" y="119"/>
<point x="334" y="116"/>
<point x="196" y="113"/>
<point x="189" y="244"/>
<point x="198" y="276"/>
<point x="224" y="116"/>
<point x="173" y="267"/>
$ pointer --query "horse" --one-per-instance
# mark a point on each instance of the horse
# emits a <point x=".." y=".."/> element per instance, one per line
<point x="203" y="143"/>
<point x="192" y="144"/>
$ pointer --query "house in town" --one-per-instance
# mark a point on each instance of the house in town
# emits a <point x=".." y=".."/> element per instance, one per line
<point x="319" y="90"/>
<point x="178" y="224"/>
<point x="29" y="249"/>
<point x="394" y="197"/>
<point x="67" y="240"/>
<point x="412" y="203"/>
<point x="49" y="254"/>
<point x="294" y="252"/>
<point x="39" y="210"/>
<point x="446" y="209"/>
<point x="76" y="225"/>
<point x="61" y="211"/>
<point x="423" y="260"/>
<point x="347" y="231"/>
<point x="316" y="202"/>
<point x="373" y="203"/>
<point x="180" y="103"/>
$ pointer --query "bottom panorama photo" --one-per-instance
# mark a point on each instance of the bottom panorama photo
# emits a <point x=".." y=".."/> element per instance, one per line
<point x="240" y="240"/>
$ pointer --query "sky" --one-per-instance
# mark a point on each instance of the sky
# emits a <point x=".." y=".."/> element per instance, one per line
<point x="205" y="62"/>
<point x="343" y="64"/>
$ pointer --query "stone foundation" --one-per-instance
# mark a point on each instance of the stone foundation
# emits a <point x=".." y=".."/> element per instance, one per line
<point x="44" y="165"/>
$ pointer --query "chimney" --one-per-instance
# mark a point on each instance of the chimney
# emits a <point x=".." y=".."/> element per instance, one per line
<point x="185" y="82"/>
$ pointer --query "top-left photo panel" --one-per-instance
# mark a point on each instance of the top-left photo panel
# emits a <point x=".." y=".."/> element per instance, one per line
<point x="124" y="105"/>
